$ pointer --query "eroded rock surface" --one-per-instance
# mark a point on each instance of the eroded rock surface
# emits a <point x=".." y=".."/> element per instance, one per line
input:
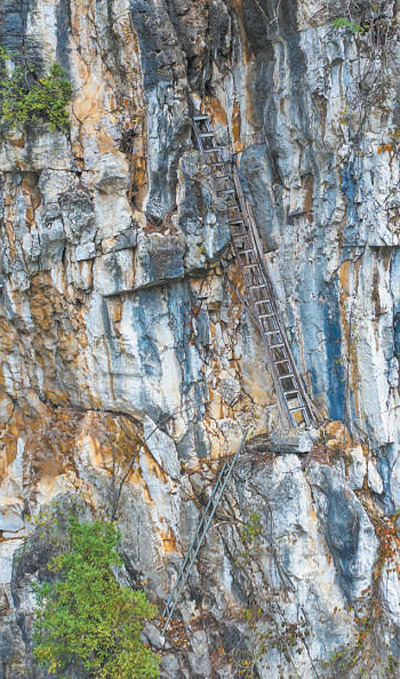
<point x="128" y="362"/>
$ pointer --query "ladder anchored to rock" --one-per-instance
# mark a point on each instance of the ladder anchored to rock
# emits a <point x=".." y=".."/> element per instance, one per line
<point x="201" y="531"/>
<point x="295" y="406"/>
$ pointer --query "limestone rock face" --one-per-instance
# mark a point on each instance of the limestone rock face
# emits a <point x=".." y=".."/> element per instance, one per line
<point x="129" y="364"/>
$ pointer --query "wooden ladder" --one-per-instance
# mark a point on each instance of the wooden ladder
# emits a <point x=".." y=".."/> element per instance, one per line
<point x="295" y="406"/>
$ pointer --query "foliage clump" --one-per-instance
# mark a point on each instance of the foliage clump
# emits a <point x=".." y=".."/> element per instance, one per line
<point x="24" y="97"/>
<point x="344" y="22"/>
<point x="85" y="620"/>
<point x="252" y="528"/>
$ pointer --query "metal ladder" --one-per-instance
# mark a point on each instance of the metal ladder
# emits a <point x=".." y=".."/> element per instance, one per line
<point x="295" y="406"/>
<point x="201" y="531"/>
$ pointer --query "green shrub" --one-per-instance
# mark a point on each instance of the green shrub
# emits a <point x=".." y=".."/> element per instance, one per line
<point x="344" y="22"/>
<point x="85" y="620"/>
<point x="26" y="98"/>
<point x="252" y="528"/>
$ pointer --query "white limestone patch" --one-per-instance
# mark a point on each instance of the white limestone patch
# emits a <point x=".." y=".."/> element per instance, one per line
<point x="11" y="493"/>
<point x="162" y="448"/>
<point x="7" y="551"/>
<point x="41" y="149"/>
<point x="357" y="468"/>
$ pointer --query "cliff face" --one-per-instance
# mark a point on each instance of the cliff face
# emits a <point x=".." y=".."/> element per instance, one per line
<point x="128" y="362"/>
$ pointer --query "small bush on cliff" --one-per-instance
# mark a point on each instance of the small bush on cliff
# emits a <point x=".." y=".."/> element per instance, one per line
<point x="26" y="98"/>
<point x="344" y="22"/>
<point x="85" y="620"/>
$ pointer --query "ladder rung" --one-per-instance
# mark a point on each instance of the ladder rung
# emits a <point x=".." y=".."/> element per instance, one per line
<point x="249" y="259"/>
<point x="292" y="392"/>
<point x="296" y="410"/>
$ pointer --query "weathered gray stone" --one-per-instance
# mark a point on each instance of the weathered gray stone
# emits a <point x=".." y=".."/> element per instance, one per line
<point x="122" y="241"/>
<point x="7" y="551"/>
<point x="114" y="272"/>
<point x="38" y="149"/>
<point x="6" y="408"/>
<point x="112" y="177"/>
<point x="152" y="635"/>
<point x="347" y="528"/>
<point x="199" y="658"/>
<point x="357" y="468"/>
<point x="78" y="216"/>
<point x="122" y="207"/>
<point x="374" y="479"/>
<point x="162" y="448"/>
<point x="292" y="442"/>
<point x="170" y="668"/>
<point x="159" y="259"/>
<point x="86" y="251"/>
<point x="11" y="511"/>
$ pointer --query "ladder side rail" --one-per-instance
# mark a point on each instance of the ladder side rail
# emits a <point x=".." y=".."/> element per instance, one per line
<point x="311" y="412"/>
<point x="198" y="139"/>
<point x="192" y="547"/>
<point x="186" y="568"/>
<point x="262" y="277"/>
<point x="282" y="401"/>
<point x="199" y="528"/>
<point x="230" y="467"/>
<point x="196" y="127"/>
<point x="246" y="211"/>
<point x="181" y="583"/>
<point x="245" y="207"/>
<point x="185" y="575"/>
<point x="193" y="556"/>
<point x="259" y="255"/>
<point x="218" y="492"/>
<point x="220" y="481"/>
<point x="283" y="406"/>
<point x="170" y="605"/>
<point x="307" y="408"/>
<point x="314" y="416"/>
<point x="286" y="351"/>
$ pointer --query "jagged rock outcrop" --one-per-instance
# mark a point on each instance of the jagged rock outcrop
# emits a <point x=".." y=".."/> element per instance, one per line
<point x="128" y="362"/>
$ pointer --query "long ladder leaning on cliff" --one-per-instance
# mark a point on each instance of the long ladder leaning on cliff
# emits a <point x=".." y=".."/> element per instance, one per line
<point x="201" y="531"/>
<point x="295" y="406"/>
